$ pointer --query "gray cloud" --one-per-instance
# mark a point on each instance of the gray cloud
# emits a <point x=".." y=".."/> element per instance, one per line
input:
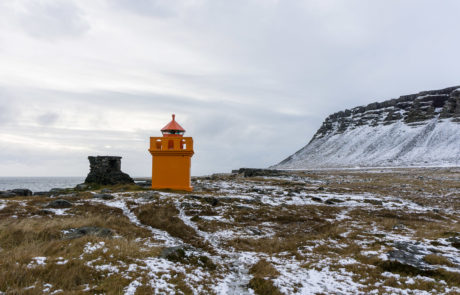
<point x="52" y="20"/>
<point x="251" y="81"/>
<point x="47" y="118"/>
<point x="154" y="8"/>
<point x="5" y="115"/>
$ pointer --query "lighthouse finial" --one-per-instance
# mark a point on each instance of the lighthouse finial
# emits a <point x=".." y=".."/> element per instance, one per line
<point x="174" y="117"/>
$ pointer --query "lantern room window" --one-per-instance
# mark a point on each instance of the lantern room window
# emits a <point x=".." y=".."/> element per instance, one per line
<point x="175" y="132"/>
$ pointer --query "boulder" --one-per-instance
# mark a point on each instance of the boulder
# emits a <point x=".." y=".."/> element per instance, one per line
<point x="44" y="212"/>
<point x="21" y="192"/>
<point x="409" y="253"/>
<point x="42" y="193"/>
<point x="82" y="187"/>
<point x="373" y="202"/>
<point x="211" y="200"/>
<point x="88" y="230"/>
<point x="106" y="170"/>
<point x="333" y="201"/>
<point x="176" y="253"/>
<point x="254" y="231"/>
<point x="7" y="194"/>
<point x="317" y="199"/>
<point x="103" y="196"/>
<point x="59" y="203"/>
<point x="455" y="241"/>
<point x="57" y="190"/>
<point x="252" y="172"/>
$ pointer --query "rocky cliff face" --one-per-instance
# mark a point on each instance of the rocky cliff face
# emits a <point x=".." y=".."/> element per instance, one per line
<point x="413" y="130"/>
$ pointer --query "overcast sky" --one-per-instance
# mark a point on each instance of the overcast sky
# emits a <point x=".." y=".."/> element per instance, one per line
<point x="251" y="81"/>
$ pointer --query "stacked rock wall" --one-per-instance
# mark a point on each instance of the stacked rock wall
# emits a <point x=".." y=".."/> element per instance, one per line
<point x="106" y="170"/>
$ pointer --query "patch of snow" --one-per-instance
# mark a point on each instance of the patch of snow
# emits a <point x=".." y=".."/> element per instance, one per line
<point x="132" y="287"/>
<point x="313" y="281"/>
<point x="120" y="203"/>
<point x="59" y="211"/>
<point x="369" y="253"/>
<point x="47" y="287"/>
<point x="37" y="261"/>
<point x="106" y="267"/>
<point x="90" y="247"/>
<point x="61" y="261"/>
<point x="433" y="143"/>
<point x="216" y="217"/>
<point x="347" y="261"/>
<point x="410" y="281"/>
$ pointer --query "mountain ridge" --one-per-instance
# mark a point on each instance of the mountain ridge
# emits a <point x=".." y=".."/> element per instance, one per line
<point x="412" y="130"/>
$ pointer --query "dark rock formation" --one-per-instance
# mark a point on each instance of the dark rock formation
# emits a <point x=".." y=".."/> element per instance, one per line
<point x="88" y="230"/>
<point x="17" y="192"/>
<point x="7" y="194"/>
<point x="44" y="193"/>
<point x="455" y="241"/>
<point x="22" y="192"/>
<point x="210" y="200"/>
<point x="57" y="190"/>
<point x="409" y="253"/>
<point x="106" y="170"/>
<point x="59" y="203"/>
<point x="333" y="201"/>
<point x="82" y="187"/>
<point x="251" y="172"/>
<point x="103" y="196"/>
<point x="412" y="108"/>
<point x="176" y="253"/>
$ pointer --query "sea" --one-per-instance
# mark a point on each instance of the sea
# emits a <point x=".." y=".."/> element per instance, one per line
<point x="39" y="184"/>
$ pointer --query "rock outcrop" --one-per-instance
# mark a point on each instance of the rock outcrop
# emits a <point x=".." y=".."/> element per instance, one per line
<point x="18" y="192"/>
<point x="106" y="170"/>
<point x="76" y="233"/>
<point x="413" y="130"/>
<point x="59" y="203"/>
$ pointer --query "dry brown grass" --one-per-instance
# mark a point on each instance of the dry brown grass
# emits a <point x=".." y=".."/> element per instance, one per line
<point x="308" y="233"/>
<point x="428" y="225"/>
<point x="263" y="286"/>
<point x="263" y="269"/>
<point x="22" y="239"/>
<point x="212" y="226"/>
<point x="437" y="260"/>
<point x="15" y="274"/>
<point x="20" y="230"/>
<point x="293" y="227"/>
<point x="413" y="184"/>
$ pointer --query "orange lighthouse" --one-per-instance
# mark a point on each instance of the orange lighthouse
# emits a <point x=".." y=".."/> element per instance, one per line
<point x="171" y="158"/>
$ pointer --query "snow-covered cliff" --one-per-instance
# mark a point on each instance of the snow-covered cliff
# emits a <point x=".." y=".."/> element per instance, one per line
<point x="414" y="130"/>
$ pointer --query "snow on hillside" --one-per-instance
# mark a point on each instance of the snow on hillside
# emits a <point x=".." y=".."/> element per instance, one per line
<point x="414" y="130"/>
<point x="434" y="144"/>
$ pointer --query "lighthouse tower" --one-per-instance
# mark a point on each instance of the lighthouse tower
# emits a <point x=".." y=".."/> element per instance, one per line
<point x="171" y="158"/>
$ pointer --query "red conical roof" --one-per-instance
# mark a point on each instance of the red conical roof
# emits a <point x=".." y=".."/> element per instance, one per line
<point x="173" y="125"/>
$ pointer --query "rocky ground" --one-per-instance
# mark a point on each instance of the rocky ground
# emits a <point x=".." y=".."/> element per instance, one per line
<point x="375" y="231"/>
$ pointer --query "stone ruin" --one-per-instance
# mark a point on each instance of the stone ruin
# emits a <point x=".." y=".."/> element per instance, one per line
<point x="106" y="170"/>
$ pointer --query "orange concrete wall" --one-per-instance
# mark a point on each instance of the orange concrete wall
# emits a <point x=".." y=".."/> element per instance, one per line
<point x="171" y="162"/>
